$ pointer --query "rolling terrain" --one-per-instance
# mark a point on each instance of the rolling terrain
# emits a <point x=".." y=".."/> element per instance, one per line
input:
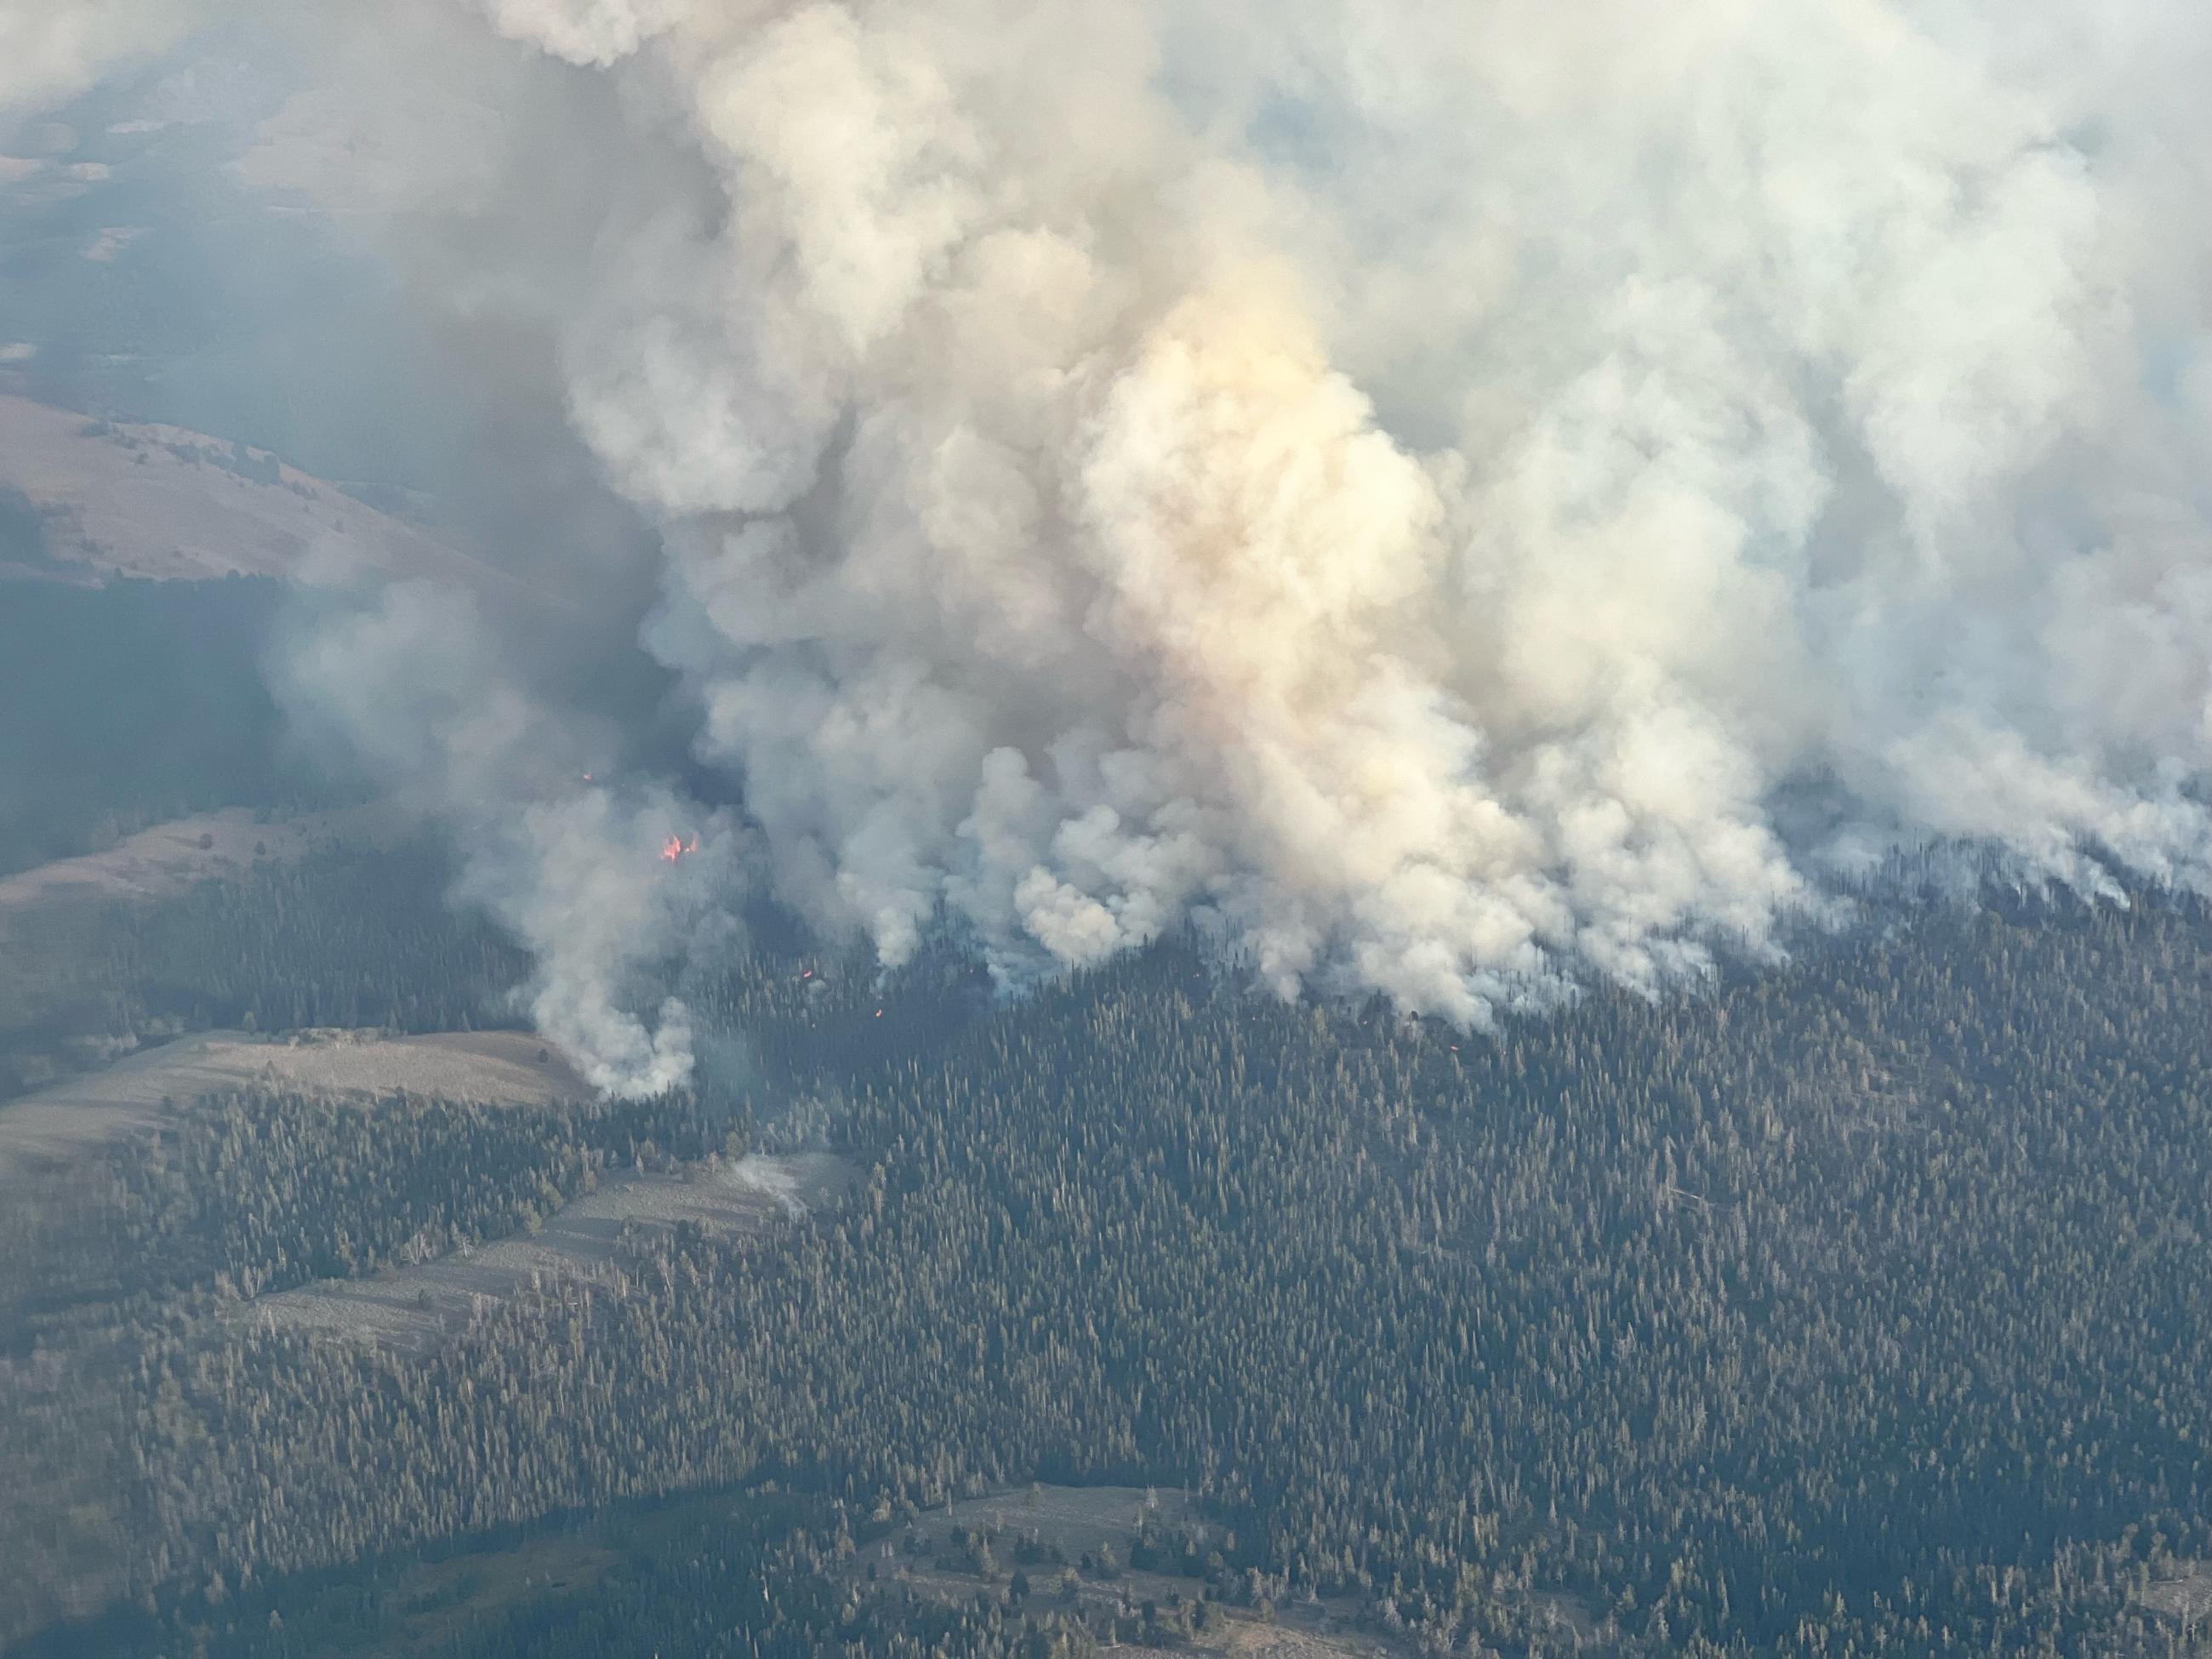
<point x="141" y="1091"/>
<point x="419" y="1306"/>
<point x="163" y="860"/>
<point x="1585" y="1337"/>
<point x="52" y="910"/>
<point x="110" y="500"/>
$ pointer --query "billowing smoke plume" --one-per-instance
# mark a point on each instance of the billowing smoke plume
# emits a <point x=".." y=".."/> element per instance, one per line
<point x="1449" y="498"/>
<point x="598" y="878"/>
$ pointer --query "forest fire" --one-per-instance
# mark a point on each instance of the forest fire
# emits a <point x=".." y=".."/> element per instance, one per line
<point x="675" y="848"/>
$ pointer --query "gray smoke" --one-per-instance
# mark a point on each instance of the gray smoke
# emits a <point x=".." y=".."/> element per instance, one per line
<point x="572" y="859"/>
<point x="1424" y="492"/>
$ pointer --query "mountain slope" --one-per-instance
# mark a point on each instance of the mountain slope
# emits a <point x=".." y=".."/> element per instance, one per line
<point x="89" y="501"/>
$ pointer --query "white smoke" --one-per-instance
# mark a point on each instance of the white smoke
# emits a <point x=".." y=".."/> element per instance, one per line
<point x="572" y="863"/>
<point x="1415" y="489"/>
<point x="1787" y="388"/>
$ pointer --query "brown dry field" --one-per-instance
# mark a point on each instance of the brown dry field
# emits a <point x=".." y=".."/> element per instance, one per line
<point x="59" y="1122"/>
<point x="168" y="858"/>
<point x="151" y="501"/>
<point x="414" y="1309"/>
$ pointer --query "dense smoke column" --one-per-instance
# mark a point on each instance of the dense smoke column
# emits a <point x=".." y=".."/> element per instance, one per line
<point x="1451" y="499"/>
<point x="1037" y="557"/>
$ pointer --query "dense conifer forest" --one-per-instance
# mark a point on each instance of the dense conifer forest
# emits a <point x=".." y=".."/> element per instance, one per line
<point x="1862" y="1305"/>
<point x="774" y="991"/>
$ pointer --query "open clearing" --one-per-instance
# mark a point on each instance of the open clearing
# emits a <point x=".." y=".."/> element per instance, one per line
<point x="1059" y="1536"/>
<point x="1064" y="1533"/>
<point x="413" y="1309"/>
<point x="1073" y="1519"/>
<point x="2184" y="1594"/>
<point x="495" y="1068"/>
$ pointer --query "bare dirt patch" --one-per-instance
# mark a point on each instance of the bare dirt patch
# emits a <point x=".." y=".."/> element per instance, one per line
<point x="414" y="1309"/>
<point x="495" y="1068"/>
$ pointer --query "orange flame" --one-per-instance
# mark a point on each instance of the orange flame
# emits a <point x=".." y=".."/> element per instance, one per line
<point x="676" y="847"/>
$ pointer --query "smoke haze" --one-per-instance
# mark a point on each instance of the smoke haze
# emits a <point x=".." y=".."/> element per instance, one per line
<point x="1449" y="499"/>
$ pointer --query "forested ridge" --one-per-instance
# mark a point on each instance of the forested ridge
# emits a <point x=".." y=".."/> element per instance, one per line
<point x="246" y="1193"/>
<point x="1858" y="1305"/>
<point x="357" y="937"/>
<point x="769" y="1576"/>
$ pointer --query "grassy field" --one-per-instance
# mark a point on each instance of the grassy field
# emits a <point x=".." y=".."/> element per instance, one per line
<point x="170" y="857"/>
<point x="413" y="1309"/>
<point x="159" y="501"/>
<point x="85" y="1113"/>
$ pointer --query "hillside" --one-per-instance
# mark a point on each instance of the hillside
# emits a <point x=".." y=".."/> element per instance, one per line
<point x="165" y="860"/>
<point x="83" y="500"/>
<point x="1819" y="1312"/>
<point x="141" y="1092"/>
